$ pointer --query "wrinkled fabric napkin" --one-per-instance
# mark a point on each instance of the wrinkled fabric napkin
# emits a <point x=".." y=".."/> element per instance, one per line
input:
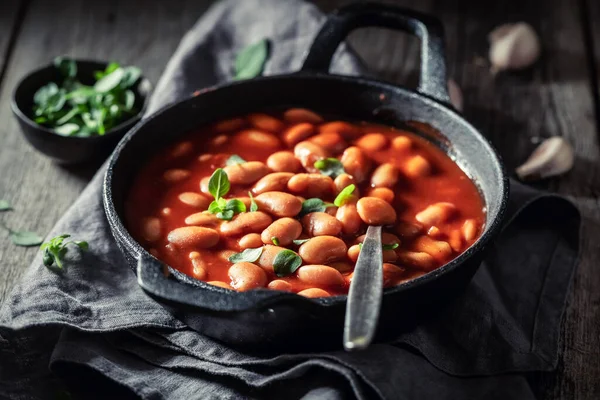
<point x="92" y="327"/>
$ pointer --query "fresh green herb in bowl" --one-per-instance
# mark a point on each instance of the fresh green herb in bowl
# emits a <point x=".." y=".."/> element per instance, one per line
<point x="73" y="108"/>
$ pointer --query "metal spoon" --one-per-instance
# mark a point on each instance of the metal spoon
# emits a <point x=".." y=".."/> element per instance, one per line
<point x="364" y="297"/>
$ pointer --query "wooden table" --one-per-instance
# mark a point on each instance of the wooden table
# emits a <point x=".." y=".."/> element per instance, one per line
<point x="558" y="97"/>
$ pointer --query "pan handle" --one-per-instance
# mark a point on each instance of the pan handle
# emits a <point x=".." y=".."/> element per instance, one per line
<point x="432" y="79"/>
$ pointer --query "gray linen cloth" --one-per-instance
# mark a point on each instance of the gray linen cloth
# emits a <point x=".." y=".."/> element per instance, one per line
<point x="92" y="329"/>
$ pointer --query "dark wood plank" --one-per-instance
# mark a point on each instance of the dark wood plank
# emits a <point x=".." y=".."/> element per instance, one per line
<point x="131" y="32"/>
<point x="9" y="18"/>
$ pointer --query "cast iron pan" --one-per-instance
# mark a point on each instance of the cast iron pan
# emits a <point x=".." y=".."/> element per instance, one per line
<point x="270" y="319"/>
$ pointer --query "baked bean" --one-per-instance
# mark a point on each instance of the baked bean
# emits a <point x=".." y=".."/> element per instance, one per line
<point x="342" y="266"/>
<point x="321" y="224"/>
<point x="313" y="293"/>
<point x="199" y="268"/>
<point x="469" y="230"/>
<point x="407" y="230"/>
<point x="321" y="275"/>
<point x="176" y="175"/>
<point x="255" y="138"/>
<point x="353" y="252"/>
<point x="265" y="122"/>
<point x="166" y="211"/>
<point x="193" y="254"/>
<point x="455" y="239"/>
<point x="419" y="260"/>
<point x="202" y="219"/>
<point x="250" y="241"/>
<point x="284" y="161"/>
<point x="246" y="173"/>
<point x="349" y="218"/>
<point x="280" y="204"/>
<point x="348" y="131"/>
<point x="295" y="115"/>
<point x="331" y="210"/>
<point x="385" y="194"/>
<point x="308" y="153"/>
<point x="438" y="249"/>
<point x="279" y="284"/>
<point x="277" y="181"/>
<point x="193" y="236"/>
<point x="389" y="256"/>
<point x="436" y="213"/>
<point x="246" y="276"/>
<point x="151" y="229"/>
<point x="386" y="175"/>
<point x="333" y="142"/>
<point x="181" y="149"/>
<point x="220" y="284"/>
<point x="194" y="199"/>
<point x="311" y="185"/>
<point x="229" y="125"/>
<point x="268" y="255"/>
<point x="297" y="133"/>
<point x="344" y="180"/>
<point x="356" y="163"/>
<point x="322" y="250"/>
<point x="241" y="224"/>
<point x="204" y="157"/>
<point x="417" y="167"/>
<point x="372" y="142"/>
<point x="204" y="185"/>
<point x="374" y="211"/>
<point x="286" y="230"/>
<point x="401" y="143"/>
<point x="220" y="140"/>
<point x="435" y="232"/>
<point x="391" y="273"/>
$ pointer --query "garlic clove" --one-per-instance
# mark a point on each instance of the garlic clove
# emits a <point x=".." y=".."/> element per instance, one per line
<point x="456" y="97"/>
<point x="554" y="156"/>
<point x="513" y="46"/>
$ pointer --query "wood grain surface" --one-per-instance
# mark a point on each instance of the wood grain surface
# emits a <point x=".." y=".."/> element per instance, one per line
<point x="558" y="97"/>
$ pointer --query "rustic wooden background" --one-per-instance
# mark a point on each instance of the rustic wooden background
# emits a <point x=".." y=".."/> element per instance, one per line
<point x="557" y="97"/>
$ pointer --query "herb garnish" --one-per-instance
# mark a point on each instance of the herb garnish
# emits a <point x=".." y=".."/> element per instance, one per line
<point x="299" y="242"/>
<point x="56" y="248"/>
<point x="249" y="255"/>
<point x="75" y="109"/>
<point x="286" y="262"/>
<point x="330" y="167"/>
<point x="344" y="195"/>
<point x="275" y="240"/>
<point x="253" y="205"/>
<point x="250" y="62"/>
<point x="312" y="205"/>
<point x="20" y="238"/>
<point x="5" y="205"/>
<point x="234" y="160"/>
<point x="219" y="186"/>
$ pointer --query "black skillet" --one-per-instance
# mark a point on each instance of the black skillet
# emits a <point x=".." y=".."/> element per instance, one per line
<point x="264" y="318"/>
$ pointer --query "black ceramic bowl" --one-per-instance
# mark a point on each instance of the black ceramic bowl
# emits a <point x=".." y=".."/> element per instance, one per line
<point x="266" y="318"/>
<point x="70" y="149"/>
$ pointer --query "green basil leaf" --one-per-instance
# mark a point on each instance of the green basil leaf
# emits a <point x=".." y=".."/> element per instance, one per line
<point x="286" y="262"/>
<point x="344" y="195"/>
<point x="129" y="100"/>
<point x="111" y="67"/>
<point x="26" y="239"/>
<point x="67" y="129"/>
<point x="42" y="94"/>
<point x="48" y="258"/>
<point x="68" y="116"/>
<point x="5" y="205"/>
<point x="248" y="255"/>
<point x="250" y="62"/>
<point x="330" y="167"/>
<point x="225" y="214"/>
<point x="299" y="242"/>
<point x="275" y="240"/>
<point x="66" y="66"/>
<point x="110" y="81"/>
<point x="253" y="205"/>
<point x="234" y="160"/>
<point x="235" y="205"/>
<point x="214" y="207"/>
<point x="218" y="185"/>
<point x="390" y="246"/>
<point x="83" y="245"/>
<point x="312" y="205"/>
<point x="130" y="76"/>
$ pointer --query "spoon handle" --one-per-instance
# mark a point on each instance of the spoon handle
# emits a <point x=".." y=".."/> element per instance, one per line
<point x="364" y="297"/>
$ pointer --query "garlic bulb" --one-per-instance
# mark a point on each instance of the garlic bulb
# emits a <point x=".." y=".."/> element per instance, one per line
<point x="455" y="93"/>
<point x="554" y="156"/>
<point x="513" y="46"/>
